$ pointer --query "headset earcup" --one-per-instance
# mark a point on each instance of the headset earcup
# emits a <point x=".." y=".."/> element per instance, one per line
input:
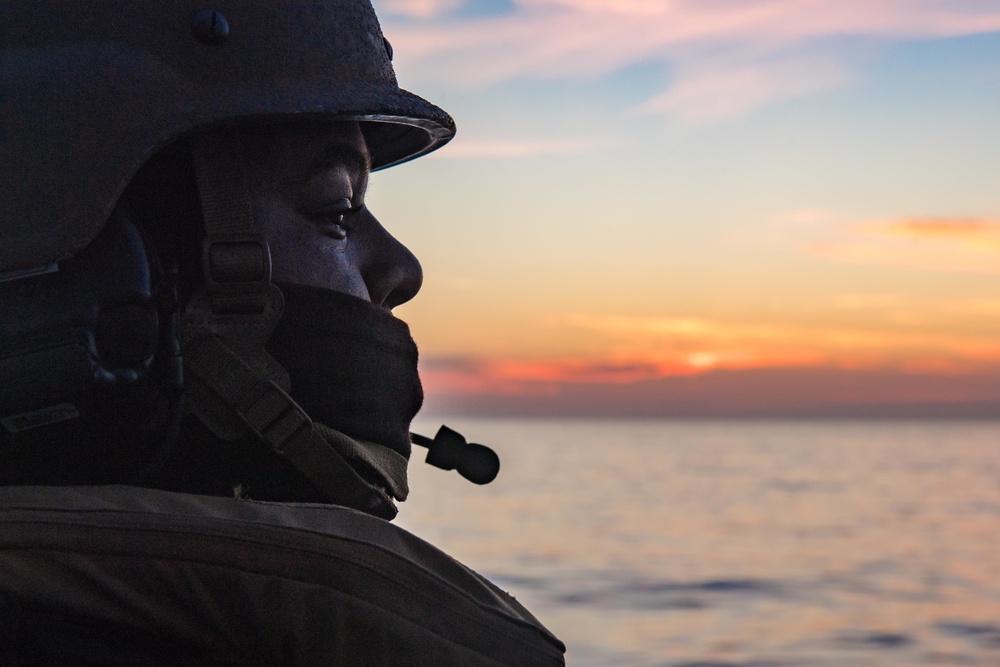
<point x="79" y="400"/>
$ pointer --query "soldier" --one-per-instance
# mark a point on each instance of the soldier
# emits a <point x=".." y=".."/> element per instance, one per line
<point x="195" y="304"/>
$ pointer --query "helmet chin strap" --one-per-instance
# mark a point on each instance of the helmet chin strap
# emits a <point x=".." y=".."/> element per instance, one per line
<point x="233" y="385"/>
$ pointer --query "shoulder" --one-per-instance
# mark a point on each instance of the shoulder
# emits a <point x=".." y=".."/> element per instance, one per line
<point x="245" y="582"/>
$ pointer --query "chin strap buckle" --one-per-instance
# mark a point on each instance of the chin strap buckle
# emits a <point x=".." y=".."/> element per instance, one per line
<point x="236" y="260"/>
<point x="237" y="270"/>
<point x="274" y="417"/>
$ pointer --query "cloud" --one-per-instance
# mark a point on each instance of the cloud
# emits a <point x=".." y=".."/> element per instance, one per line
<point x="724" y="57"/>
<point x="967" y="231"/>
<point x="422" y="9"/>
<point x="907" y="258"/>
<point x="866" y="301"/>
<point x="715" y="93"/>
<point x="496" y="148"/>
<point x="698" y="342"/>
<point x="968" y="245"/>
<point x="763" y="392"/>
<point x="635" y="349"/>
<point x="532" y="376"/>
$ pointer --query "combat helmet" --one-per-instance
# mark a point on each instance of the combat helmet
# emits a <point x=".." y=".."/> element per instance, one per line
<point x="91" y="92"/>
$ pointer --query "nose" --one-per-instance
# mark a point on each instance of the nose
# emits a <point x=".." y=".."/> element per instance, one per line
<point x="391" y="272"/>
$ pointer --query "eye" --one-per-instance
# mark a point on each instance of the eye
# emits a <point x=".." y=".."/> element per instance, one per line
<point x="331" y="219"/>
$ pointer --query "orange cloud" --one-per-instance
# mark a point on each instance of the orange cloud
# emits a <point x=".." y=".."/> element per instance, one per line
<point x="960" y="228"/>
<point x="932" y="243"/>
<point x="645" y="348"/>
<point x="748" y="342"/>
<point x="513" y="376"/>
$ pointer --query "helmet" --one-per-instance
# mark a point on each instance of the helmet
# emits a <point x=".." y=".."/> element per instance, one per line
<point x="90" y="322"/>
<point x="90" y="91"/>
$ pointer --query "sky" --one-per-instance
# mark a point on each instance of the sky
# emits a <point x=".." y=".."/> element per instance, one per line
<point x="704" y="208"/>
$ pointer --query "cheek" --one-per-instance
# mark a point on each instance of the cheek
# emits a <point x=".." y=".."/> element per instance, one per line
<point x="302" y="255"/>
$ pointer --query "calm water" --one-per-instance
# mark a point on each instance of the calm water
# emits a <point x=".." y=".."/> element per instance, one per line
<point x="735" y="543"/>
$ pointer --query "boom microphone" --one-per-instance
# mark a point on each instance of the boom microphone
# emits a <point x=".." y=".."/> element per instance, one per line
<point x="448" y="450"/>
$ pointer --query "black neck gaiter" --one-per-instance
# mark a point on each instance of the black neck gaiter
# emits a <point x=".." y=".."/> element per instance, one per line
<point x="353" y="366"/>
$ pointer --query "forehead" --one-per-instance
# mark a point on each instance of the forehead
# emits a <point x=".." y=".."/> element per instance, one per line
<point x="305" y="148"/>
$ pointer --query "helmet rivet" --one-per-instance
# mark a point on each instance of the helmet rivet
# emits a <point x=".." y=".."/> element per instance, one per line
<point x="210" y="27"/>
<point x="388" y="48"/>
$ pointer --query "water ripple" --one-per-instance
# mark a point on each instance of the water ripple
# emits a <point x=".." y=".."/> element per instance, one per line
<point x="984" y="634"/>
<point x="877" y="640"/>
<point x="626" y="591"/>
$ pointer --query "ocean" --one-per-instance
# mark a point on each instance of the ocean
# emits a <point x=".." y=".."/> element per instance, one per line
<point x="734" y="543"/>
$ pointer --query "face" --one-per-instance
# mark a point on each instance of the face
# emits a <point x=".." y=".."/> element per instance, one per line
<point x="306" y="185"/>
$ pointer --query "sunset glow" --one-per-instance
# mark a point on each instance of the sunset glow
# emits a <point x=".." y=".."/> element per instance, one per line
<point x="775" y="200"/>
